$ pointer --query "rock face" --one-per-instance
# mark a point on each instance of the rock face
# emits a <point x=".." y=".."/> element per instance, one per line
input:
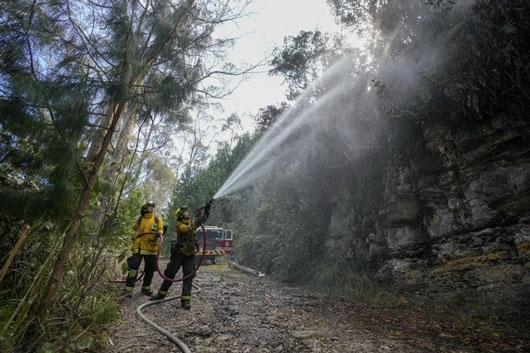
<point x="450" y="221"/>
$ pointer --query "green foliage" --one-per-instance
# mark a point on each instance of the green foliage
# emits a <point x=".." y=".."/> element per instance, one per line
<point x="197" y="187"/>
<point x="87" y="304"/>
<point x="257" y="251"/>
<point x="303" y="58"/>
<point x="55" y="88"/>
<point x="24" y="284"/>
<point x="482" y="57"/>
<point x="107" y="314"/>
<point x="267" y="116"/>
<point x="64" y="67"/>
<point x="354" y="13"/>
<point x="339" y="276"/>
<point x="282" y="223"/>
<point x="494" y="75"/>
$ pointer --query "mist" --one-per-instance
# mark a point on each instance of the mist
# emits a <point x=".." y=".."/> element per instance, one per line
<point x="345" y="113"/>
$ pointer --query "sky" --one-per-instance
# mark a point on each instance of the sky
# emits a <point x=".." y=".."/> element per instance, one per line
<point x="263" y="29"/>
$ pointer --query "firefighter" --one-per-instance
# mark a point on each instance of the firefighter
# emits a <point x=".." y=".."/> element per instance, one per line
<point x="183" y="252"/>
<point x="144" y="247"/>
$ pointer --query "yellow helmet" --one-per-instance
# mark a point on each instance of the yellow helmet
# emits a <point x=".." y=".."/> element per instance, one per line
<point x="180" y="210"/>
<point x="145" y="205"/>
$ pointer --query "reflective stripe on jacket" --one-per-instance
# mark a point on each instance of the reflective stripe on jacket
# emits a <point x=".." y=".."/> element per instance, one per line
<point x="146" y="244"/>
<point x="186" y="237"/>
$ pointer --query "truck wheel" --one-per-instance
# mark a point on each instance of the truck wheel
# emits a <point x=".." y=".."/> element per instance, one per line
<point x="213" y="260"/>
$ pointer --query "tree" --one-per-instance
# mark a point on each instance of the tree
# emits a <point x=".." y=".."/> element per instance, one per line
<point x="196" y="186"/>
<point x="305" y="57"/>
<point x="267" y="116"/>
<point x="355" y="13"/>
<point x="68" y="62"/>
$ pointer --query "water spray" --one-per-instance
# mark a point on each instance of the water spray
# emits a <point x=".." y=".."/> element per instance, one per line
<point x="321" y="114"/>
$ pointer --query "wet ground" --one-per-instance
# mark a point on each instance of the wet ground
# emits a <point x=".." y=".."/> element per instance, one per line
<point x="238" y="312"/>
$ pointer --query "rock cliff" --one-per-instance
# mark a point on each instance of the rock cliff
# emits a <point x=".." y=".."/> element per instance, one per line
<point x="450" y="221"/>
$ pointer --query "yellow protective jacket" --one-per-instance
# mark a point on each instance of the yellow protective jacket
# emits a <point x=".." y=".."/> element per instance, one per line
<point x="146" y="244"/>
<point x="185" y="229"/>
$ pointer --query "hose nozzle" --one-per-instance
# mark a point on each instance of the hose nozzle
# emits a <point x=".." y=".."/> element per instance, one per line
<point x="207" y="207"/>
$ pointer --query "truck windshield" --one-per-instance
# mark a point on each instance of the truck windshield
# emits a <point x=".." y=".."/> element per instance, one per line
<point x="213" y="234"/>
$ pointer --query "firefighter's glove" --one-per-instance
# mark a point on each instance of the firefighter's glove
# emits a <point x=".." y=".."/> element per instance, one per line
<point x="207" y="208"/>
<point x="158" y="234"/>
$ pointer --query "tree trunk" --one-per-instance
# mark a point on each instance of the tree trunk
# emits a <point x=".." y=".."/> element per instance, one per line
<point x="248" y="270"/>
<point x="120" y="150"/>
<point x="97" y="137"/>
<point x="71" y="231"/>
<point x="143" y="157"/>
<point x="13" y="252"/>
<point x="116" y="163"/>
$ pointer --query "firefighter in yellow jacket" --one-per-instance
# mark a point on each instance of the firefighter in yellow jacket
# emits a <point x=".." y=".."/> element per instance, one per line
<point x="183" y="252"/>
<point x="147" y="230"/>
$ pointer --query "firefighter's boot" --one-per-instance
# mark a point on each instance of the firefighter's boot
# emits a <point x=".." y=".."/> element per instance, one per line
<point x="157" y="296"/>
<point x="147" y="292"/>
<point x="126" y="294"/>
<point x="185" y="304"/>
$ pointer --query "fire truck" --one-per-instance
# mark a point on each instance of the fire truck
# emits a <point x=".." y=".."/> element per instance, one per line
<point x="218" y="242"/>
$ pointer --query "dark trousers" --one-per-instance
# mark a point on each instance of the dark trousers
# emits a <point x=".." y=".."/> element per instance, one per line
<point x="187" y="263"/>
<point x="133" y="264"/>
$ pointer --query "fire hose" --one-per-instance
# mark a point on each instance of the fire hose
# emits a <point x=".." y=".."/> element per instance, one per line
<point x="194" y="270"/>
<point x="169" y="336"/>
<point x="139" y="309"/>
<point x="123" y="281"/>
<point x="158" y="267"/>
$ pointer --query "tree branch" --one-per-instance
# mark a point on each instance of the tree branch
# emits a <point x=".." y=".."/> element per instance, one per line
<point x="47" y="105"/>
<point x="85" y="40"/>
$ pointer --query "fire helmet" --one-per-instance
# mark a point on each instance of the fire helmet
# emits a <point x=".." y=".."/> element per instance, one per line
<point x="145" y="205"/>
<point x="180" y="211"/>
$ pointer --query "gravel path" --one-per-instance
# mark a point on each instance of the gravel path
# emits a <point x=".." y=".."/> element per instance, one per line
<point x="238" y="312"/>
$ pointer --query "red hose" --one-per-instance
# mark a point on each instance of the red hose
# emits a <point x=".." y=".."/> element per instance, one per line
<point x="158" y="255"/>
<point x="123" y="281"/>
<point x="143" y="272"/>
<point x="194" y="270"/>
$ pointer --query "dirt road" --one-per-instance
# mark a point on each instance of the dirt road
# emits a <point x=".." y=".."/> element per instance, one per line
<point x="238" y="312"/>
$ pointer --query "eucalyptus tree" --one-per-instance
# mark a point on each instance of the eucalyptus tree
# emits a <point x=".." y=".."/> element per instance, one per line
<point x="304" y="57"/>
<point x="198" y="185"/>
<point x="267" y="116"/>
<point x="189" y="123"/>
<point x="71" y="64"/>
